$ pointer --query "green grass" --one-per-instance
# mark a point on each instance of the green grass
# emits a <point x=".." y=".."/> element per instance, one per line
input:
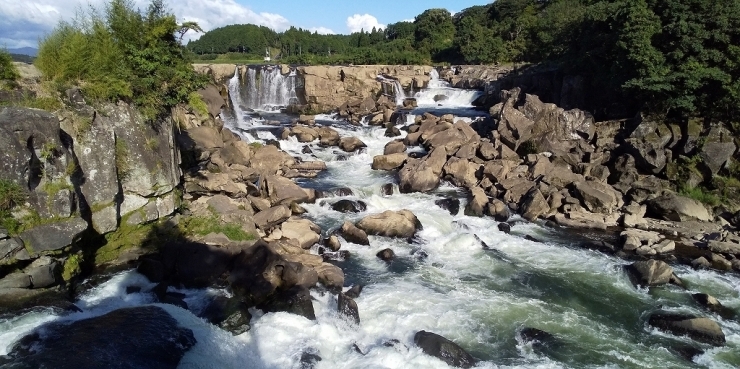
<point x="700" y="194"/>
<point x="202" y="226"/>
<point x="44" y="103"/>
<point x="197" y="103"/>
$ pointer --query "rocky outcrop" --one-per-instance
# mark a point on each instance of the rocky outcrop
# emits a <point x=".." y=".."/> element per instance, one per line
<point x="327" y="88"/>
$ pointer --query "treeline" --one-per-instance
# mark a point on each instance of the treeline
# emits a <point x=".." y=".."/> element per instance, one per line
<point x="671" y="57"/>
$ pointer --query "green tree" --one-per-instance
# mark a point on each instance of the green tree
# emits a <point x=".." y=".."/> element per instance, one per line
<point x="8" y="71"/>
<point x="124" y="54"/>
<point x="434" y="31"/>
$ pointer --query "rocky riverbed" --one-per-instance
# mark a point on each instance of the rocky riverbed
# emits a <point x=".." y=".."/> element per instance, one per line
<point x="527" y="235"/>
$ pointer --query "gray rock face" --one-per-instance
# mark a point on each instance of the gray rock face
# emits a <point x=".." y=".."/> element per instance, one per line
<point x="54" y="236"/>
<point x="698" y="328"/>
<point x="435" y="345"/>
<point x="677" y="208"/>
<point x="141" y="337"/>
<point x="401" y="224"/>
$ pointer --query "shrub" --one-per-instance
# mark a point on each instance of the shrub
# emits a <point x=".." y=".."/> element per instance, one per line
<point x="8" y="71"/>
<point x="122" y="54"/>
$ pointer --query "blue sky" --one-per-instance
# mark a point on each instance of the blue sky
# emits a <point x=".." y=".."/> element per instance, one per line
<point x="23" y="22"/>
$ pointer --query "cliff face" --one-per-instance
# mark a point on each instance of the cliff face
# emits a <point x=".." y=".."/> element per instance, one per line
<point x="321" y="89"/>
<point x="324" y="88"/>
<point x="83" y="172"/>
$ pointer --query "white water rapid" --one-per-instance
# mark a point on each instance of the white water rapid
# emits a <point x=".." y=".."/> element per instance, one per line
<point x="440" y="93"/>
<point x="478" y="298"/>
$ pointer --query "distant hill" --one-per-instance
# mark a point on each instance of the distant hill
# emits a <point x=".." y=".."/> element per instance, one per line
<point x="30" y="51"/>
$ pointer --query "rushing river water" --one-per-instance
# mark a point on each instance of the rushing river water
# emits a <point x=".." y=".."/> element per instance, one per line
<point x="444" y="282"/>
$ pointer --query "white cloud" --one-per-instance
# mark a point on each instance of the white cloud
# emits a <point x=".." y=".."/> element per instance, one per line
<point x="24" y="22"/>
<point x="358" y="22"/>
<point x="410" y="20"/>
<point x="322" y="30"/>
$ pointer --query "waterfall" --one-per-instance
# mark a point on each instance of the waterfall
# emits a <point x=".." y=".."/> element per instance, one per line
<point x="275" y="90"/>
<point x="398" y="93"/>
<point x="263" y="88"/>
<point x="235" y="95"/>
<point x="441" y="93"/>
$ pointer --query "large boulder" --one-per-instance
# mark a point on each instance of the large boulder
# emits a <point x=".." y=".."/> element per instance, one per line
<point x="328" y="136"/>
<point x="351" y="144"/>
<point x="534" y="205"/>
<point x="677" y="208"/>
<point x="213" y="99"/>
<point x="281" y="190"/>
<point x="53" y="236"/>
<point x="422" y="175"/>
<point x="394" y="147"/>
<point x="389" y="162"/>
<point x="141" y="337"/>
<point x="351" y="233"/>
<point x="402" y="224"/>
<point x="597" y="197"/>
<point x="347" y="307"/>
<point x="269" y="159"/>
<point x="435" y="345"/>
<point x="698" y="328"/>
<point x="717" y="150"/>
<point x="271" y="217"/>
<point x="650" y="273"/>
<point x="304" y="231"/>
<point x="461" y="172"/>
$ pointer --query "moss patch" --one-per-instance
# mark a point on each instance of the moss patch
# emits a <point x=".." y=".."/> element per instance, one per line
<point x="126" y="238"/>
<point x="72" y="267"/>
<point x="202" y="226"/>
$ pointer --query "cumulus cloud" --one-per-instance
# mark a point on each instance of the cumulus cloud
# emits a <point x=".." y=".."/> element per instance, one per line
<point x="24" y="22"/>
<point x="359" y="22"/>
<point x="322" y="30"/>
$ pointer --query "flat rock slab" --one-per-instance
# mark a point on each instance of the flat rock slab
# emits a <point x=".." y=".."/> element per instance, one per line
<point x="142" y="337"/>
<point x="54" y="236"/>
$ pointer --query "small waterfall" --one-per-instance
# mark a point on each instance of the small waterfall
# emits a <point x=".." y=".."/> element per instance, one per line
<point x="441" y="93"/>
<point x="395" y="90"/>
<point x="235" y="95"/>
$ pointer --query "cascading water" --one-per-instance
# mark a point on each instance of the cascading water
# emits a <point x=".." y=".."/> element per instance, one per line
<point x="445" y="282"/>
<point x="395" y="90"/>
<point x="440" y="93"/>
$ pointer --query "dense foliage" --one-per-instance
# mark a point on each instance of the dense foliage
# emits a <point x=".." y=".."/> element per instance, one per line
<point x="122" y="54"/>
